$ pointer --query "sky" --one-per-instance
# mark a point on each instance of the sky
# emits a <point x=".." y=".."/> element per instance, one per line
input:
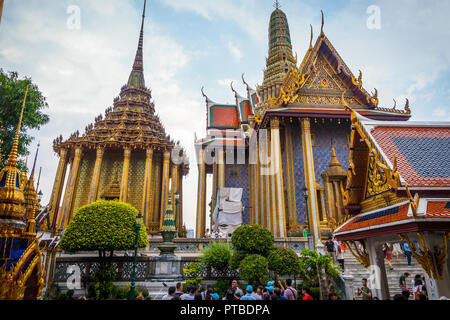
<point x="80" y="53"/>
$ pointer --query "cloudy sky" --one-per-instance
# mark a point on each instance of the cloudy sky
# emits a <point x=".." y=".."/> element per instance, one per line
<point x="194" y="43"/>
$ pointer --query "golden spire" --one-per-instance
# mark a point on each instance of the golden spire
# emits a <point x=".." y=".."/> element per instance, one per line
<point x="31" y="201"/>
<point x="11" y="195"/>
<point x="334" y="159"/>
<point x="12" y="161"/>
<point x="1" y="10"/>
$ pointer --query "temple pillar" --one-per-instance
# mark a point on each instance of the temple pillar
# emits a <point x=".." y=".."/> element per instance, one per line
<point x="291" y="200"/>
<point x="96" y="175"/>
<point x="221" y="169"/>
<point x="58" y="185"/>
<point x="125" y="171"/>
<point x="148" y="194"/>
<point x="164" y="186"/>
<point x="310" y="182"/>
<point x="174" y="189"/>
<point x="201" y="196"/>
<point x="257" y="185"/>
<point x="66" y="209"/>
<point x="378" y="280"/>
<point x="180" y="203"/>
<point x="280" y="214"/>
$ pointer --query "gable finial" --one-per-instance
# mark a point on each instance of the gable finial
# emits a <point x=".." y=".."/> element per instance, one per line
<point x="243" y="80"/>
<point x="277" y="5"/>
<point x="312" y="35"/>
<point x="323" y="23"/>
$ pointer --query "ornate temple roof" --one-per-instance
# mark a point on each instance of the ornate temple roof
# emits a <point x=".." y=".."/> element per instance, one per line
<point x="131" y="122"/>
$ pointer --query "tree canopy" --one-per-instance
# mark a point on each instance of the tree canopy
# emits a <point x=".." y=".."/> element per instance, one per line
<point x="104" y="226"/>
<point x="12" y="92"/>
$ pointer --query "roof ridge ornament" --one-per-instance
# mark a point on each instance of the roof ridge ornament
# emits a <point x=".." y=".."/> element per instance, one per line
<point x="311" y="39"/>
<point x="277" y="5"/>
<point x="322" y="34"/>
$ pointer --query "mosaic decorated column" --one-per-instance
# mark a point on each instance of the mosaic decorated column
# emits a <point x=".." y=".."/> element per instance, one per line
<point x="271" y="186"/>
<point x="164" y="186"/>
<point x="96" y="175"/>
<point x="70" y="191"/>
<point x="148" y="194"/>
<point x="221" y="169"/>
<point x="180" y="204"/>
<point x="58" y="185"/>
<point x="175" y="189"/>
<point x="125" y="171"/>
<point x="290" y="180"/>
<point x="201" y="197"/>
<point x="310" y="180"/>
<point x="280" y="213"/>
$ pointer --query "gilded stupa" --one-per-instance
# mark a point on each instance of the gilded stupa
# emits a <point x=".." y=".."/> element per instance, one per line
<point x="125" y="155"/>
<point x="21" y="269"/>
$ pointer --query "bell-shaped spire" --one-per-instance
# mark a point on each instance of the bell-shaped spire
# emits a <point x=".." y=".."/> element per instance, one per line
<point x="136" y="78"/>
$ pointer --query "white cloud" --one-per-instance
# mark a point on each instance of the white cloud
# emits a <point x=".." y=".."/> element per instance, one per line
<point x="234" y="50"/>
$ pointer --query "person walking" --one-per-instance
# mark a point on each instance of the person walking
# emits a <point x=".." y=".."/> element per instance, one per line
<point x="340" y="257"/>
<point x="388" y="255"/>
<point x="248" y="295"/>
<point x="408" y="253"/>
<point x="305" y="232"/>
<point x="402" y="283"/>
<point x="417" y="289"/>
<point x="331" y="248"/>
<point x="365" y="290"/>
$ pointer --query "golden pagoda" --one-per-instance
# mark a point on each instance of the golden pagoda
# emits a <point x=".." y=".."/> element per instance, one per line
<point x="124" y="155"/>
<point x="21" y="269"/>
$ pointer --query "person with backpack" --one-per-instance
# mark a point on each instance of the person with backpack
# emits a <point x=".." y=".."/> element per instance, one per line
<point x="418" y="289"/>
<point x="290" y="293"/>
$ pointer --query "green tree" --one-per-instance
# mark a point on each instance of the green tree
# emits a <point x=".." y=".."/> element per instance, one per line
<point x="104" y="226"/>
<point x="254" y="269"/>
<point x="216" y="255"/>
<point x="12" y="92"/>
<point x="284" y="262"/>
<point x="252" y="239"/>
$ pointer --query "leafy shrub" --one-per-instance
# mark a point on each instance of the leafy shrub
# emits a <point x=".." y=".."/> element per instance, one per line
<point x="192" y="269"/>
<point x="254" y="269"/>
<point x="217" y="255"/>
<point x="252" y="239"/>
<point x="236" y="258"/>
<point x="221" y="287"/>
<point x="145" y="293"/>
<point x="284" y="262"/>
<point x="103" y="226"/>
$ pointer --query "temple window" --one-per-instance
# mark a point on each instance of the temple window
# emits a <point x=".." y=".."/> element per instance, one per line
<point x="233" y="172"/>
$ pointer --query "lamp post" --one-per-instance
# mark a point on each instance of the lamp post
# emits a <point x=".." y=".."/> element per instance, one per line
<point x="136" y="245"/>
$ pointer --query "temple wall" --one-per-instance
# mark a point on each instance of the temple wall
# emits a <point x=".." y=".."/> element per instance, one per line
<point x="82" y="188"/>
<point x="111" y="162"/>
<point x="336" y="131"/>
<point x="136" y="177"/>
<point x="299" y="177"/>
<point x="240" y="182"/>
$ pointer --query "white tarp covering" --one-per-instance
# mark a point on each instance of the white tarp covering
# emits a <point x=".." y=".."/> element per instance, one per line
<point x="227" y="215"/>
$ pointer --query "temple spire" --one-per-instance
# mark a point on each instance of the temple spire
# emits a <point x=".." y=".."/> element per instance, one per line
<point x="12" y="161"/>
<point x="136" y="78"/>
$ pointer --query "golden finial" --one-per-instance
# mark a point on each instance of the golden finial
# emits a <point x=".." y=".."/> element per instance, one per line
<point x="408" y="110"/>
<point x="12" y="161"/>
<point x="312" y="35"/>
<point x="243" y="80"/>
<point x="322" y="34"/>
<point x="277" y="5"/>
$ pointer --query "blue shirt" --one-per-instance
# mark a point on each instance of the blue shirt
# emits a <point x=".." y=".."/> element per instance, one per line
<point x="248" y="296"/>
<point x="282" y="298"/>
<point x="406" y="247"/>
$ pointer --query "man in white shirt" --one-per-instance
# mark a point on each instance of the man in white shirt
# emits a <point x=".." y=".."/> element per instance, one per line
<point x="170" y="294"/>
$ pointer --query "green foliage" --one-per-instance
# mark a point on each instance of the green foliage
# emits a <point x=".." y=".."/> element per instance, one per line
<point x="252" y="239"/>
<point x="145" y="293"/>
<point x="221" y="287"/>
<point x="312" y="262"/>
<point x="284" y="262"/>
<point x="192" y="269"/>
<point x="104" y="226"/>
<point x="236" y="258"/>
<point x="254" y="269"/>
<point x="12" y="92"/>
<point x="217" y="255"/>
